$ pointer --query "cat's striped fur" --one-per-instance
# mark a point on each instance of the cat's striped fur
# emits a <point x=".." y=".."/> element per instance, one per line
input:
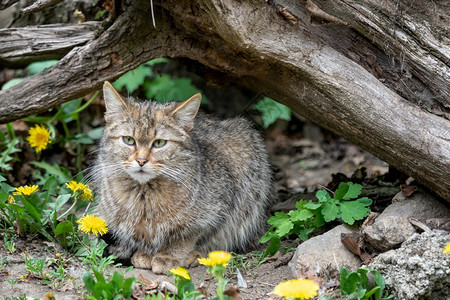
<point x="207" y="188"/>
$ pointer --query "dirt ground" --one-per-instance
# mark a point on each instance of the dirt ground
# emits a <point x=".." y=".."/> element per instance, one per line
<point x="301" y="165"/>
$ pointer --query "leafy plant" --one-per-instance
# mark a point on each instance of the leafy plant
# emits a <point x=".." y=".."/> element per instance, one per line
<point x="115" y="288"/>
<point x="8" y="146"/>
<point x="357" y="284"/>
<point x="35" y="265"/>
<point x="344" y="205"/>
<point x="271" y="111"/>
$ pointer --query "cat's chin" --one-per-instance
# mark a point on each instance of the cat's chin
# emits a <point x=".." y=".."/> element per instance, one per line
<point x="141" y="177"/>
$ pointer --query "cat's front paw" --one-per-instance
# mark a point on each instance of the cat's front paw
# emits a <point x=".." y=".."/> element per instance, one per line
<point x="162" y="263"/>
<point x="141" y="260"/>
<point x="192" y="259"/>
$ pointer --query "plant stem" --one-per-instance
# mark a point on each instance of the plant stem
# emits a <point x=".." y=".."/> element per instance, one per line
<point x="67" y="211"/>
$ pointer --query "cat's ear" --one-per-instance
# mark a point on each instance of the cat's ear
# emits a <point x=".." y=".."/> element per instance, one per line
<point x="113" y="101"/>
<point x="185" y="112"/>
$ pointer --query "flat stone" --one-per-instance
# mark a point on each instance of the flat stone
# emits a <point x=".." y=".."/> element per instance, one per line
<point x="318" y="253"/>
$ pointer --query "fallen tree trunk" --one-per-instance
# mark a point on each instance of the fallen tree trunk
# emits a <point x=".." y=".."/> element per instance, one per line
<point x="300" y="55"/>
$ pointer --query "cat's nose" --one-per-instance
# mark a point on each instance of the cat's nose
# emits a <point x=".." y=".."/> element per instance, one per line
<point x="141" y="161"/>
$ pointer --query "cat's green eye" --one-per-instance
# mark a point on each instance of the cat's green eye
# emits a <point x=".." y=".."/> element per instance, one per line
<point x="159" y="143"/>
<point x="128" y="140"/>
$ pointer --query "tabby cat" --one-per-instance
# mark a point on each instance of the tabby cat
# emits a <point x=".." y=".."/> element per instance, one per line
<point x="174" y="185"/>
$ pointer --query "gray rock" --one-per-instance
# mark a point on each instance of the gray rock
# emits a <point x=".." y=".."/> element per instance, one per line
<point x="392" y="227"/>
<point x="418" y="269"/>
<point x="319" y="252"/>
<point x="389" y="232"/>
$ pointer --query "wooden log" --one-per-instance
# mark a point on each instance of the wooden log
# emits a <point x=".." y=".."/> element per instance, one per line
<point x="305" y="66"/>
<point x="26" y="44"/>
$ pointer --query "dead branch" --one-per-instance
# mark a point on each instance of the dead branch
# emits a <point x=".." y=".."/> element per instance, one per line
<point x="39" y="5"/>
<point x="33" y="43"/>
<point x="6" y="3"/>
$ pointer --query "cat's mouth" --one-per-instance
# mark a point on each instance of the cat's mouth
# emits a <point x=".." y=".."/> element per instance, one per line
<point x="141" y="175"/>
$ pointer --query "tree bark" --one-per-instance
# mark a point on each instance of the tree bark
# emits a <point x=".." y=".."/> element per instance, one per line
<point x="349" y="68"/>
<point x="35" y="43"/>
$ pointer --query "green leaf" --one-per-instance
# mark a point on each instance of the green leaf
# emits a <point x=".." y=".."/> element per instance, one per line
<point x="304" y="233"/>
<point x="312" y="205"/>
<point x="282" y="223"/>
<point x="353" y="210"/>
<point x="349" y="282"/>
<point x="89" y="282"/>
<point x="268" y="235"/>
<point x="330" y="211"/>
<point x="323" y="196"/>
<point x="40" y="66"/>
<point x="365" y="201"/>
<point x="63" y="227"/>
<point x="127" y="287"/>
<point x="371" y="292"/>
<point x="133" y="79"/>
<point x="341" y="191"/>
<point x="99" y="276"/>
<point x="31" y="209"/>
<point x="354" y="190"/>
<point x="118" y="279"/>
<point x="274" y="246"/>
<point x="301" y="215"/>
<point x="60" y="201"/>
<point x="272" y="111"/>
<point x="60" y="172"/>
<point x="164" y="88"/>
<point x="11" y="82"/>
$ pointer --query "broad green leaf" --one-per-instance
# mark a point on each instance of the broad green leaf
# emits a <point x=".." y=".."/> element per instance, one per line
<point x="301" y="215"/>
<point x="341" y="191"/>
<point x="272" y="111"/>
<point x="365" y="200"/>
<point x="274" y="246"/>
<point x="133" y="79"/>
<point x="349" y="281"/>
<point x="89" y="281"/>
<point x="11" y="82"/>
<point x="354" y="190"/>
<point x="63" y="227"/>
<point x="40" y="66"/>
<point x="312" y="205"/>
<point x="99" y="276"/>
<point x="164" y="88"/>
<point x="282" y="223"/>
<point x="118" y="279"/>
<point x="127" y="287"/>
<point x="330" y="211"/>
<point x="353" y="210"/>
<point x="60" y="201"/>
<point x="323" y="196"/>
<point x="268" y="235"/>
<point x="304" y="233"/>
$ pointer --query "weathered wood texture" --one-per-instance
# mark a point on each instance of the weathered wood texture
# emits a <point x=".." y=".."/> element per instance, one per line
<point x="44" y="42"/>
<point x="331" y="73"/>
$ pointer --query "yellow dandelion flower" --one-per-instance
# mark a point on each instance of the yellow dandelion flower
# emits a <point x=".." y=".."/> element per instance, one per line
<point x="297" y="288"/>
<point x="181" y="272"/>
<point x="11" y="199"/>
<point x="26" y="190"/>
<point x="83" y="189"/>
<point x="447" y="249"/>
<point x="216" y="258"/>
<point x="39" y="137"/>
<point x="93" y="224"/>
